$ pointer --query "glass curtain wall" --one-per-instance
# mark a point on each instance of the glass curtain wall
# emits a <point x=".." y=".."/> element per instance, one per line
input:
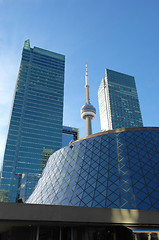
<point x="36" y="117"/>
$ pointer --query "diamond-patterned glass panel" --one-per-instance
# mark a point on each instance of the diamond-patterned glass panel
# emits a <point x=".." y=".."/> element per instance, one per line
<point x="113" y="170"/>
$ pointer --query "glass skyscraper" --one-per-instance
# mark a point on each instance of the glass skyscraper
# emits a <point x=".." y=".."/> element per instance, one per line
<point x="118" y="101"/>
<point x="36" y="117"/>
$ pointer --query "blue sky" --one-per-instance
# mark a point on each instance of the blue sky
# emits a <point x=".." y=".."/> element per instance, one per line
<point x="121" y="35"/>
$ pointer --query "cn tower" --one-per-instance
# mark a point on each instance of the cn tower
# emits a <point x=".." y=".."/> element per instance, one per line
<point x="88" y="112"/>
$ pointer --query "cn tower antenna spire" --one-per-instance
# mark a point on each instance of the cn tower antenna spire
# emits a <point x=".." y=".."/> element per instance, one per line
<point x="86" y="76"/>
<point x="88" y="112"/>
<point x="87" y="86"/>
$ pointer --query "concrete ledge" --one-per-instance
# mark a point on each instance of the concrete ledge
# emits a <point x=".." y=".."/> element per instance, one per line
<point x="52" y="213"/>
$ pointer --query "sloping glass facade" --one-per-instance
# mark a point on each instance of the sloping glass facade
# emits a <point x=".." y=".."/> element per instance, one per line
<point x="113" y="169"/>
<point x="118" y="101"/>
<point x="36" y="116"/>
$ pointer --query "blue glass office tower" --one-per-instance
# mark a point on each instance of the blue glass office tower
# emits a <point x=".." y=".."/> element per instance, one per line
<point x="118" y="101"/>
<point x="36" y="116"/>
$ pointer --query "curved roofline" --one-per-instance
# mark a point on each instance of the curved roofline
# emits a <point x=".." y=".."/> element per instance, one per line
<point x="118" y="130"/>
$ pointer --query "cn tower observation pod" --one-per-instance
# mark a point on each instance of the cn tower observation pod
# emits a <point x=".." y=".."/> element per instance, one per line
<point x="88" y="111"/>
<point x="112" y="169"/>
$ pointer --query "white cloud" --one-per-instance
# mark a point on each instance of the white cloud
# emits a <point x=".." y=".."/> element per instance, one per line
<point x="8" y="69"/>
<point x="8" y="75"/>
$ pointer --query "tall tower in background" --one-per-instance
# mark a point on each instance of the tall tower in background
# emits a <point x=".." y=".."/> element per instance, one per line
<point x="88" y="112"/>
<point x="36" y="117"/>
<point x="118" y="101"/>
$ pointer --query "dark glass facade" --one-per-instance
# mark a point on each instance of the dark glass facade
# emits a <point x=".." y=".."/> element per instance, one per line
<point x="69" y="134"/>
<point x="36" y="116"/>
<point x="118" y="101"/>
<point x="113" y="169"/>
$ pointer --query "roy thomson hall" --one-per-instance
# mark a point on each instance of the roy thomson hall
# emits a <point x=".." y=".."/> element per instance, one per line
<point x="104" y="186"/>
<point x="101" y="187"/>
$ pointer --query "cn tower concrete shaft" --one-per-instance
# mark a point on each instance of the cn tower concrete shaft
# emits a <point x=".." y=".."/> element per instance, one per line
<point x="88" y="126"/>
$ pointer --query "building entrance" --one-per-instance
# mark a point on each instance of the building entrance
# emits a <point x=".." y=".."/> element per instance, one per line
<point x="146" y="235"/>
